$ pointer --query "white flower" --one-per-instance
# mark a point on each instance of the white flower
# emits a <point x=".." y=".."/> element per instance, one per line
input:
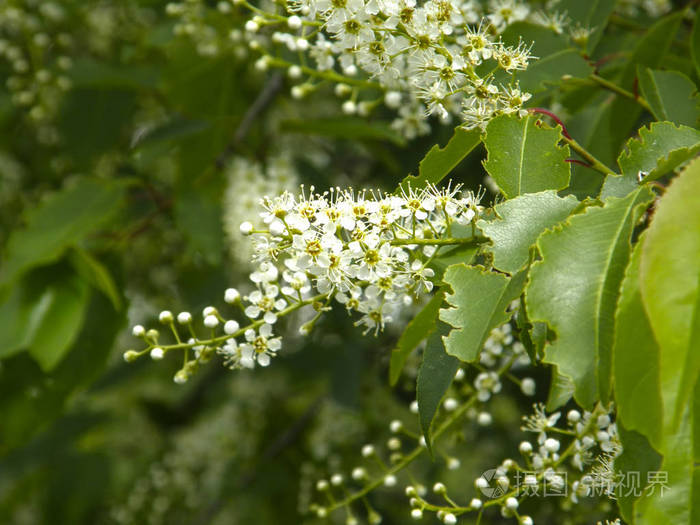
<point x="260" y="346"/>
<point x="265" y="302"/>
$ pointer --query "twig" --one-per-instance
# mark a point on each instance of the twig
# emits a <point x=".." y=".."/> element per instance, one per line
<point x="260" y="104"/>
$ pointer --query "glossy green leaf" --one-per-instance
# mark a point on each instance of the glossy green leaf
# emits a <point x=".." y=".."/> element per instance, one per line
<point x="671" y="95"/>
<point x="561" y="390"/>
<point x="439" y="162"/>
<point x="637" y="388"/>
<point x="62" y="307"/>
<point x="659" y="149"/>
<point x="520" y="221"/>
<point x="478" y="303"/>
<point x="62" y="220"/>
<point x="434" y="378"/>
<point x="671" y="506"/>
<point x="670" y="289"/>
<point x="420" y="327"/>
<point x="524" y="157"/>
<point x="638" y="458"/>
<point x="95" y="273"/>
<point x="550" y="70"/>
<point x="19" y="315"/>
<point x="574" y="288"/>
<point x="26" y="415"/>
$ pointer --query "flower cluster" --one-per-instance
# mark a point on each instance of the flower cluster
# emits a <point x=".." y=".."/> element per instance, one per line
<point x="653" y="8"/>
<point x="371" y="252"/>
<point x="36" y="48"/>
<point x="439" y="57"/>
<point x="248" y="182"/>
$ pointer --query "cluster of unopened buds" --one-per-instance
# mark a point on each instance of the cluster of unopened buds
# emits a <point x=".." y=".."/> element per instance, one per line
<point x="371" y="252"/>
<point x="467" y="399"/>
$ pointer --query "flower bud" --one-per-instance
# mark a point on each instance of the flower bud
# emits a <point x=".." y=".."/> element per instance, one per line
<point x="130" y="356"/>
<point x="165" y="317"/>
<point x="157" y="353"/>
<point x="184" y="318"/>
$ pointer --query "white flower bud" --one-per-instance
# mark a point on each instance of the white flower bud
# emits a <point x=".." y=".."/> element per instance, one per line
<point x="453" y="463"/>
<point x="321" y="485"/>
<point x="528" y="386"/>
<point x="231" y="295"/>
<point x="410" y="491"/>
<point x="157" y="353"/>
<point x="450" y="404"/>
<point x="246" y="228"/>
<point x="358" y="474"/>
<point x="439" y="488"/>
<point x="484" y="419"/>
<point x="459" y="375"/>
<point x="294" y="22"/>
<point x="573" y="416"/>
<point x="525" y="447"/>
<point x="395" y="426"/>
<point x="603" y="421"/>
<point x="449" y="519"/>
<point x="342" y="90"/>
<point x="392" y="99"/>
<point x="251" y="26"/>
<point x="294" y="72"/>
<point x="390" y="481"/>
<point x="481" y="483"/>
<point x="165" y="317"/>
<point x="526" y="520"/>
<point x="180" y="377"/>
<point x="336" y="480"/>
<point x="475" y="503"/>
<point x="551" y="445"/>
<point x="393" y="444"/>
<point x="298" y="92"/>
<point x="414" y="407"/>
<point x="184" y="317"/>
<point x="416" y="514"/>
<point x="210" y="321"/>
<point x="302" y="44"/>
<point x="349" y="107"/>
<point x="130" y="356"/>
<point x="262" y="63"/>
<point x="138" y="331"/>
<point x="208" y="310"/>
<point x="367" y="451"/>
<point x="511" y="503"/>
<point x="277" y="228"/>
<point x="350" y="71"/>
<point x="231" y="327"/>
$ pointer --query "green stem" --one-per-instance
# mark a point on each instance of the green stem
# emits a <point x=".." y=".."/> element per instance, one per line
<point x="331" y="76"/>
<point x="611" y="86"/>
<point x="594" y="162"/>
<point x="439" y="242"/>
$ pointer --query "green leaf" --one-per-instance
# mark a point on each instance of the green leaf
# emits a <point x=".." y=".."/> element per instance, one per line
<point x="94" y="272"/>
<point x="524" y="157"/>
<point x="62" y="307"/>
<point x="670" y="289"/>
<point x="434" y="378"/>
<point x="349" y="128"/>
<point x="26" y="415"/>
<point x="549" y="70"/>
<point x="62" y="220"/>
<point x="638" y="458"/>
<point x="695" y="43"/>
<point x="420" y="327"/>
<point x="479" y="300"/>
<point x="520" y="221"/>
<point x="439" y="162"/>
<point x="671" y="95"/>
<point x="659" y="149"/>
<point x="574" y="288"/>
<point x="635" y="352"/>
<point x="673" y="505"/>
<point x="20" y="313"/>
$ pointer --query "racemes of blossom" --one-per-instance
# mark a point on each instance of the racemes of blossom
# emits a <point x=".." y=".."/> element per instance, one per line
<point x="247" y="183"/>
<point x="368" y="251"/>
<point x="438" y="57"/>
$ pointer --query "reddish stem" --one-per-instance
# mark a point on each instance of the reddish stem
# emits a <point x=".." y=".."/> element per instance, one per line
<point x="579" y="162"/>
<point x="554" y="118"/>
